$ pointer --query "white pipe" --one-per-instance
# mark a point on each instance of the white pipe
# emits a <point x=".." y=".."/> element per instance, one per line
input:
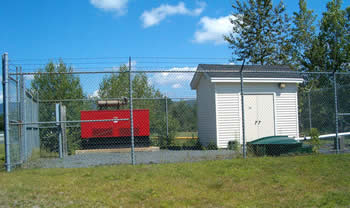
<point x="325" y="136"/>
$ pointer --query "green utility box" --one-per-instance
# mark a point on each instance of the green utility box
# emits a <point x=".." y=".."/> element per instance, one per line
<point x="277" y="145"/>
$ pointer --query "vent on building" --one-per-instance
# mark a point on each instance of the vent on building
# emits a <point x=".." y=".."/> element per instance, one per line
<point x="98" y="132"/>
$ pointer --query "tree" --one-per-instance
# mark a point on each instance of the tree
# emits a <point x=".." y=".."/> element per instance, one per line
<point x="145" y="96"/>
<point x="303" y="37"/>
<point x="186" y="113"/>
<point x="330" y="49"/>
<point x="335" y="36"/>
<point x="58" y="86"/>
<point x="117" y="85"/>
<point x="260" y="32"/>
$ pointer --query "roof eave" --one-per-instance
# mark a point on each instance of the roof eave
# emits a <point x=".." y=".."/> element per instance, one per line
<point x="256" y="80"/>
<point x="195" y="79"/>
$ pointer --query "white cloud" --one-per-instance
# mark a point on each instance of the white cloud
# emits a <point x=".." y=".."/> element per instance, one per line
<point x="156" y="15"/>
<point x="29" y="77"/>
<point x="176" y="86"/>
<point x="94" y="94"/>
<point x="213" y="29"/>
<point x="176" y="80"/>
<point x="119" y="7"/>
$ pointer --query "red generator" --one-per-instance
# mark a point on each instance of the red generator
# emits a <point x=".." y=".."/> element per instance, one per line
<point x="114" y="133"/>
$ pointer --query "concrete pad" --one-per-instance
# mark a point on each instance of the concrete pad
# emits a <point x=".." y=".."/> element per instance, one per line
<point x="137" y="149"/>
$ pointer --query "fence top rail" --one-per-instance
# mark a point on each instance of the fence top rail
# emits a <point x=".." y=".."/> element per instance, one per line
<point x="70" y="121"/>
<point x="117" y="57"/>
<point x="176" y="71"/>
<point x="97" y="99"/>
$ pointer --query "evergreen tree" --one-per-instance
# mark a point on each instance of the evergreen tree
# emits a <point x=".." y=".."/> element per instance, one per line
<point x="58" y="87"/>
<point x="260" y="32"/>
<point x="303" y="36"/>
<point x="117" y="85"/>
<point x="335" y="36"/>
<point x="187" y="114"/>
<point x="328" y="51"/>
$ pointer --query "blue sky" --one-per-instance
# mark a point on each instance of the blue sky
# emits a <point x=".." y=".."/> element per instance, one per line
<point x="42" y="29"/>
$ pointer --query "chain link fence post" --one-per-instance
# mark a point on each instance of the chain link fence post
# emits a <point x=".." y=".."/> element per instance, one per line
<point x="24" y="152"/>
<point x="59" y="129"/>
<point x="167" y="117"/>
<point x="131" y="117"/>
<point x="336" y="112"/>
<point x="242" y="103"/>
<point x="5" y="88"/>
<point x="310" y="114"/>
<point x="63" y="117"/>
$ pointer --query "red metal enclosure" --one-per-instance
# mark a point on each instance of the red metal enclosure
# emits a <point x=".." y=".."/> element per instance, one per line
<point x="107" y="129"/>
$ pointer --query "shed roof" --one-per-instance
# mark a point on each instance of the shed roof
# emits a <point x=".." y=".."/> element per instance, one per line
<point x="249" y="71"/>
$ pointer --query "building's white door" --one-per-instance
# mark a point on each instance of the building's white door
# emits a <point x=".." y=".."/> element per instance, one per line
<point x="266" y="120"/>
<point x="259" y="116"/>
<point x="250" y="117"/>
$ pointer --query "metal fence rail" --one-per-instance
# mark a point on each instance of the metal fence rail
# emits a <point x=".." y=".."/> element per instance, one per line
<point x="53" y="112"/>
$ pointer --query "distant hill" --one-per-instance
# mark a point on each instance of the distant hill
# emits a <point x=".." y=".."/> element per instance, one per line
<point x="188" y="102"/>
<point x="191" y="102"/>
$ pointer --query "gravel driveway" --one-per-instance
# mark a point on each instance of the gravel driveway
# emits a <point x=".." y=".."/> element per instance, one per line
<point x="162" y="156"/>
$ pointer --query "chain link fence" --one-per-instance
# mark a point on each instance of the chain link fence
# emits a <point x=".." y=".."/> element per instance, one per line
<point x="67" y="113"/>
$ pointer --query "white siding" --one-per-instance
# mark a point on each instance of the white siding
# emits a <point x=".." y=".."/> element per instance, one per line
<point x="228" y="114"/>
<point x="206" y="112"/>
<point x="228" y="109"/>
<point x="287" y="113"/>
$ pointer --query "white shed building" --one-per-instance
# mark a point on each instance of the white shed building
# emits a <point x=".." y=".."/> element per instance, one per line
<point x="270" y="102"/>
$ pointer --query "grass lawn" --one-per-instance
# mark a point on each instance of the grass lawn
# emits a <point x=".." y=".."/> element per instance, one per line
<point x="301" y="181"/>
<point x="180" y="134"/>
<point x="188" y="142"/>
<point x="186" y="134"/>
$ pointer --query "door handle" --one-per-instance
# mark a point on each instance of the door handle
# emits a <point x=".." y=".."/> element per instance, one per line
<point x="256" y="122"/>
<point x="259" y="122"/>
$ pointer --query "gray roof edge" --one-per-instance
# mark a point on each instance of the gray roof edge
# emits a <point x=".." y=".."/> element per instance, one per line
<point x="195" y="79"/>
<point x="249" y="67"/>
<point x="262" y="71"/>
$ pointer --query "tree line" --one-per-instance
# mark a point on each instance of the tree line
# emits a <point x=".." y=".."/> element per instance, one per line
<point x="264" y="34"/>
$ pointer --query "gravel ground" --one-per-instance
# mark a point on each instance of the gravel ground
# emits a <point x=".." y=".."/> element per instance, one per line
<point x="162" y="156"/>
<point x="329" y="149"/>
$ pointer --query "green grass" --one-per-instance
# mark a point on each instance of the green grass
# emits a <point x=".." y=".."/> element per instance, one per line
<point x="187" y="134"/>
<point x="181" y="134"/>
<point x="302" y="181"/>
<point x="179" y="142"/>
<point x="187" y="142"/>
